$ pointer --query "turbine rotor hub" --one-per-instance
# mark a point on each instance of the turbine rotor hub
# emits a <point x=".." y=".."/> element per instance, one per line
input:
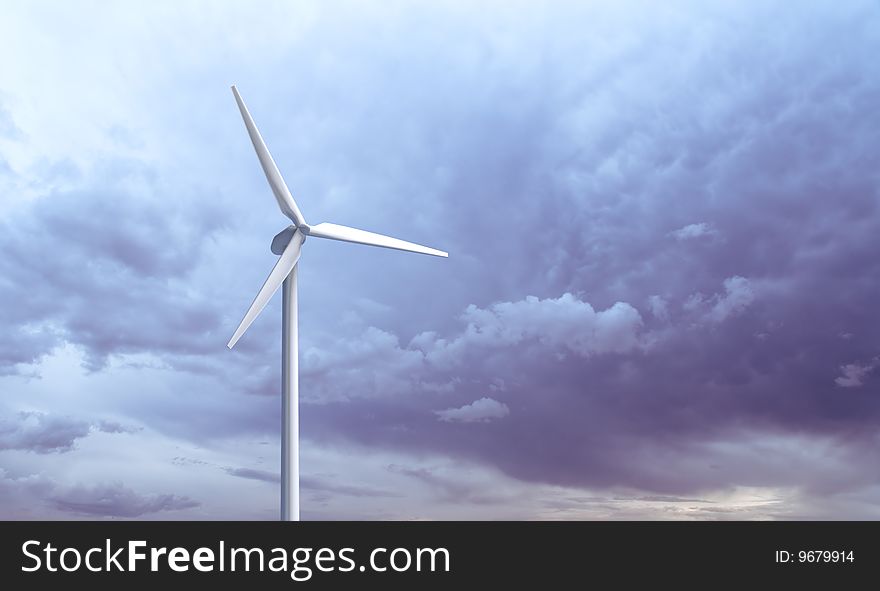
<point x="282" y="239"/>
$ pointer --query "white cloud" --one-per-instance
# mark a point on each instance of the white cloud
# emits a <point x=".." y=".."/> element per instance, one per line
<point x="659" y="307"/>
<point x="854" y="374"/>
<point x="565" y="322"/>
<point x="479" y="411"/>
<point x="739" y="295"/>
<point x="373" y="364"/>
<point x="693" y="302"/>
<point x="691" y="231"/>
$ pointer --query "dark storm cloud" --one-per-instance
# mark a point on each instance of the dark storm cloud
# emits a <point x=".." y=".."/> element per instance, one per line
<point x="116" y="500"/>
<point x="89" y="501"/>
<point x="740" y="190"/>
<point x="41" y="433"/>
<point x="671" y="415"/>
<point x="104" y="269"/>
<point x="50" y="433"/>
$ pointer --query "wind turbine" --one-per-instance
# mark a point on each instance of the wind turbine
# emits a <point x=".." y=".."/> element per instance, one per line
<point x="288" y="244"/>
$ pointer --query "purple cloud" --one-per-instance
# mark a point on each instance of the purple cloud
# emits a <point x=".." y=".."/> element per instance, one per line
<point x="45" y="433"/>
<point x="116" y="500"/>
<point x="41" y="433"/>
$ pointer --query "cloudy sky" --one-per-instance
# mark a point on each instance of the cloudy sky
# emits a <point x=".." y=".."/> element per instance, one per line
<point x="660" y="301"/>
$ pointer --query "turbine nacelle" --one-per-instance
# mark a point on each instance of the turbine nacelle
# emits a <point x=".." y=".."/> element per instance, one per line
<point x="283" y="238"/>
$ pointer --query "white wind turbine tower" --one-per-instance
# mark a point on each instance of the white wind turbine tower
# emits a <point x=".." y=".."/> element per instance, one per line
<point x="288" y="243"/>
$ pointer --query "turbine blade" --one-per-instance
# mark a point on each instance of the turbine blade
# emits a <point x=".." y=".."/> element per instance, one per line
<point x="286" y="262"/>
<point x="346" y="234"/>
<point x="279" y="188"/>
